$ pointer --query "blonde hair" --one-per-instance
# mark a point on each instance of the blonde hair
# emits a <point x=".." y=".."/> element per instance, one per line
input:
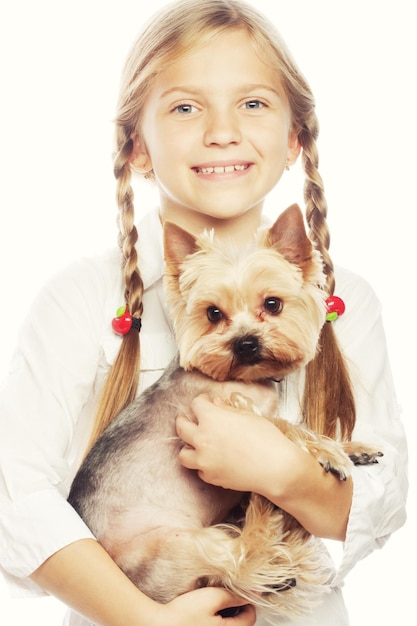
<point x="175" y="30"/>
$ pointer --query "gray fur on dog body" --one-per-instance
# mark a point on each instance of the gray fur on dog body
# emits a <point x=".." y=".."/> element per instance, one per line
<point x="131" y="483"/>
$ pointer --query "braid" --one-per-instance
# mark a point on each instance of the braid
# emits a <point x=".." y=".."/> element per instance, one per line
<point x="128" y="234"/>
<point x="122" y="381"/>
<point x="315" y="201"/>
<point x="328" y="403"/>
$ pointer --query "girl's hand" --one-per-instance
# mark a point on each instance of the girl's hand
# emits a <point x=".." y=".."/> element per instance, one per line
<point x="239" y="450"/>
<point x="232" y="448"/>
<point x="202" y="607"/>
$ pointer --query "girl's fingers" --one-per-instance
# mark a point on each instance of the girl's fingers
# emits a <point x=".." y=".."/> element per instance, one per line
<point x="185" y="429"/>
<point x="211" y="606"/>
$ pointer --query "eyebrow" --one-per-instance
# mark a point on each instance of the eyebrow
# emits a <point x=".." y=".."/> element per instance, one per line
<point x="192" y="90"/>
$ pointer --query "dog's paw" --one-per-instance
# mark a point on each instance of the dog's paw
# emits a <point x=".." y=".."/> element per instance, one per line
<point x="238" y="401"/>
<point x="362" y="454"/>
<point x="341" y="470"/>
<point x="331" y="457"/>
<point x="329" y="453"/>
<point x="365" y="458"/>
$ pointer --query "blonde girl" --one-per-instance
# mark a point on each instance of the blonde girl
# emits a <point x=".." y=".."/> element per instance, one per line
<point x="213" y="109"/>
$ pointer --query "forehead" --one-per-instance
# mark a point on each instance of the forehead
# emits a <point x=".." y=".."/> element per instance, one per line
<point x="228" y="60"/>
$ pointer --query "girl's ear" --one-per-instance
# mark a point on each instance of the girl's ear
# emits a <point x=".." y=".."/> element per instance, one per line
<point x="294" y="147"/>
<point x="140" y="159"/>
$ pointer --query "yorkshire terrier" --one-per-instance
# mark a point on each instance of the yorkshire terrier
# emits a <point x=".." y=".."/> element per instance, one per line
<point x="243" y="318"/>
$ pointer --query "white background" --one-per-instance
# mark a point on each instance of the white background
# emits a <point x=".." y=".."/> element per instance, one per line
<point x="60" y="66"/>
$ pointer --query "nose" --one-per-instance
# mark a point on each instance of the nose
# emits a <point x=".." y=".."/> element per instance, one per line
<point x="222" y="129"/>
<point x="247" y="350"/>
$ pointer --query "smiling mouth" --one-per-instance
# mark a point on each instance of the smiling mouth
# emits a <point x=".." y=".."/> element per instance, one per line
<point x="219" y="169"/>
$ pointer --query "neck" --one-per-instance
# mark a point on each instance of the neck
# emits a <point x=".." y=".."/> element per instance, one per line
<point x="241" y="228"/>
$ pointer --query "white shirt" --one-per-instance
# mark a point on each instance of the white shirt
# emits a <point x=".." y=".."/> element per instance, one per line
<point x="66" y="347"/>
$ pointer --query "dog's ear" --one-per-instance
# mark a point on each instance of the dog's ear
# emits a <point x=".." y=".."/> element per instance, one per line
<point x="178" y="244"/>
<point x="288" y="236"/>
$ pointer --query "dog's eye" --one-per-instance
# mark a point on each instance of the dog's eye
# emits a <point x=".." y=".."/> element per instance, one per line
<point x="214" y="314"/>
<point x="273" y="305"/>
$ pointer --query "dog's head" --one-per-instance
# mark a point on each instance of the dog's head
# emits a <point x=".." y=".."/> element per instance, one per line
<point x="246" y="313"/>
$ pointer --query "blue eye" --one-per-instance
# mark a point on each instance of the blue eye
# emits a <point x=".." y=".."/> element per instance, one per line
<point x="254" y="104"/>
<point x="185" y="108"/>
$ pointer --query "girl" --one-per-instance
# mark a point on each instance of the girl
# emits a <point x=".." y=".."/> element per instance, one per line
<point x="213" y="108"/>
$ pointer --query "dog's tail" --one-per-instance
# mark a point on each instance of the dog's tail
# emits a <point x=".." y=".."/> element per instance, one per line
<point x="271" y="561"/>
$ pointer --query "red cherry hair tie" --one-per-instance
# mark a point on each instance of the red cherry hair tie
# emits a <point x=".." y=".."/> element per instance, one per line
<point x="335" y="307"/>
<point x="123" y="321"/>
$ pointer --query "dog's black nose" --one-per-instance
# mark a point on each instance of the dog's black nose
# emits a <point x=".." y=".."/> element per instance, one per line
<point x="247" y="349"/>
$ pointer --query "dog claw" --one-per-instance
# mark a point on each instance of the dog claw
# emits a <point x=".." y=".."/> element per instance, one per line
<point x="365" y="458"/>
<point x="339" y="473"/>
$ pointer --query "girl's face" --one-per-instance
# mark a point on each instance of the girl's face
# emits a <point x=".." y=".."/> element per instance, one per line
<point x="217" y="132"/>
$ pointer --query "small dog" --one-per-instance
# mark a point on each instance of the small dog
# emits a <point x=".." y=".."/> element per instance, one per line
<point x="243" y="320"/>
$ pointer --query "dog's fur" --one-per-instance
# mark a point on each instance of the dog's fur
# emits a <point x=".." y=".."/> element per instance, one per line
<point x="243" y="319"/>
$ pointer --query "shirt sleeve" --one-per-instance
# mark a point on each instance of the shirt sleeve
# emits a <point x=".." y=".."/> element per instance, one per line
<point x="379" y="490"/>
<point x="49" y="385"/>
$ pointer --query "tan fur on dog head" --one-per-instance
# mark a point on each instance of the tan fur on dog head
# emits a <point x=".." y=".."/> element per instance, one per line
<point x="246" y="313"/>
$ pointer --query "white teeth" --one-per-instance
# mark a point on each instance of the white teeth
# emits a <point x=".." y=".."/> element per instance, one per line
<point x="218" y="169"/>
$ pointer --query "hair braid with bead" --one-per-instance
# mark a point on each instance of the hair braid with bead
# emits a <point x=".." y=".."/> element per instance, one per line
<point x="328" y="404"/>
<point x="122" y="381"/>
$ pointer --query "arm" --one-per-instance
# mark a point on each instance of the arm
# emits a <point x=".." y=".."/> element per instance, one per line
<point x="379" y="491"/>
<point x="271" y="465"/>
<point x="319" y="500"/>
<point x="83" y="576"/>
<point x="45" y="407"/>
